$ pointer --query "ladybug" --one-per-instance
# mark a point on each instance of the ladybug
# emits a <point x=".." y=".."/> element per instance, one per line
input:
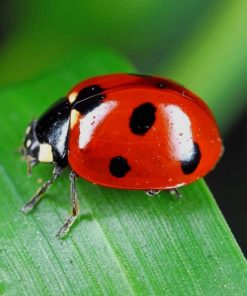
<point x="124" y="131"/>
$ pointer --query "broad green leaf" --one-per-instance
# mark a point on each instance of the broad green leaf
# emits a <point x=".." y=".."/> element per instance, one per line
<point x="124" y="243"/>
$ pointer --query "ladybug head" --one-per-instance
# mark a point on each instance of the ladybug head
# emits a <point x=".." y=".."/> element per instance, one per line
<point x="46" y="139"/>
<point x="31" y="147"/>
<point x="35" y="150"/>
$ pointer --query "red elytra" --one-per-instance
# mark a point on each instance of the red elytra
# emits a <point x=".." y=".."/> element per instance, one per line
<point x="140" y="132"/>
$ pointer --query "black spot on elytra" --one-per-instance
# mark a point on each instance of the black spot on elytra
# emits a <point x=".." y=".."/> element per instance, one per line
<point x="142" y="118"/>
<point x="89" y="98"/>
<point x="119" y="167"/>
<point x="161" y="85"/>
<point x="189" y="166"/>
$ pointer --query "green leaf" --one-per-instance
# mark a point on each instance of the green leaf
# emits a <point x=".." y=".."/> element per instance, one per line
<point x="124" y="243"/>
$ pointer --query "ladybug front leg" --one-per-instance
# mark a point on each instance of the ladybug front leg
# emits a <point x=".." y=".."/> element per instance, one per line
<point x="37" y="197"/>
<point x="74" y="205"/>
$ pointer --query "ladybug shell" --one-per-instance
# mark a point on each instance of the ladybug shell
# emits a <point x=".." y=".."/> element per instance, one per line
<point x="140" y="132"/>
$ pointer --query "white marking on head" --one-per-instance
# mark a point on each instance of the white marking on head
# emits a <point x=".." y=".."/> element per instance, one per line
<point x="72" y="97"/>
<point x="28" y="130"/>
<point x="92" y="120"/>
<point x="74" y="116"/>
<point x="45" y="153"/>
<point x="28" y="143"/>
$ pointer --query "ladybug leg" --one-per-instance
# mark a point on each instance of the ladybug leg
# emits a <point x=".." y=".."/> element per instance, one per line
<point x="175" y="193"/>
<point x="37" y="197"/>
<point x="152" y="192"/>
<point x="74" y="205"/>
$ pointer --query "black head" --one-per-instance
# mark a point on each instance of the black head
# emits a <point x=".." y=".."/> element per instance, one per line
<point x="46" y="139"/>
<point x="30" y="148"/>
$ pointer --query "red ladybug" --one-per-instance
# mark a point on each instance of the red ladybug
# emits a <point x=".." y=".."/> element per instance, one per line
<point x="125" y="131"/>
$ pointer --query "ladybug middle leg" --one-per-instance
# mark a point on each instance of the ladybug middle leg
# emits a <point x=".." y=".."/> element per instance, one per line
<point x="74" y="205"/>
<point x="39" y="194"/>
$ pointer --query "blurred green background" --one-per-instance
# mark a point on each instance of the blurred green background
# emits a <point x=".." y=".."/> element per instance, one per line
<point x="201" y="44"/>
